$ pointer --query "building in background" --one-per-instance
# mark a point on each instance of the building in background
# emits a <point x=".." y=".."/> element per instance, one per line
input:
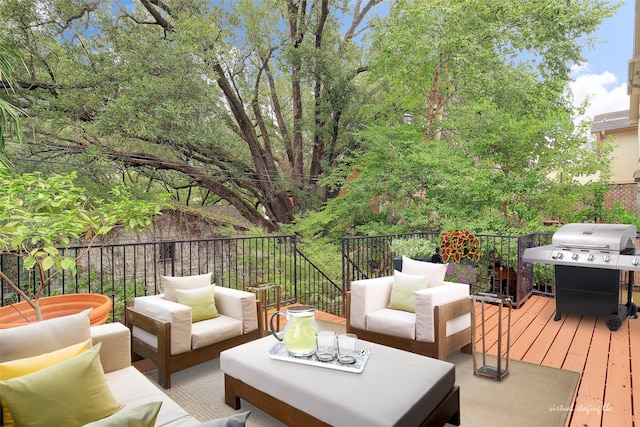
<point x="617" y="128"/>
<point x="633" y="86"/>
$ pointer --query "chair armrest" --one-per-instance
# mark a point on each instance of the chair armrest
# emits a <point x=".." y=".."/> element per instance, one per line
<point x="115" y="352"/>
<point x="238" y="304"/>
<point x="426" y="301"/>
<point x="366" y="296"/>
<point x="157" y="308"/>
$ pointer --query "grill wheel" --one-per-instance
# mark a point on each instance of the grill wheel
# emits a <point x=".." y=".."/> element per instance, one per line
<point x="614" y="322"/>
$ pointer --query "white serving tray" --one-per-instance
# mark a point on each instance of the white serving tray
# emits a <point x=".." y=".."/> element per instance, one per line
<point x="279" y="352"/>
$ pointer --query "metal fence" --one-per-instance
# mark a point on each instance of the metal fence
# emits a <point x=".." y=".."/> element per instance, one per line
<point x="125" y="271"/>
<point x="500" y="269"/>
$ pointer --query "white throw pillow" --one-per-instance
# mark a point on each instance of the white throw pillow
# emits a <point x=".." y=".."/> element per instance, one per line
<point x="170" y="284"/>
<point x="436" y="272"/>
<point x="45" y="336"/>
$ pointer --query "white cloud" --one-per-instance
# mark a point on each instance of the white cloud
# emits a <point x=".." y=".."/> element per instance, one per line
<point x="606" y="94"/>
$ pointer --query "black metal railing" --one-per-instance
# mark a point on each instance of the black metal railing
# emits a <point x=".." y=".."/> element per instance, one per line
<point x="124" y="271"/>
<point x="500" y="269"/>
<point x="127" y="270"/>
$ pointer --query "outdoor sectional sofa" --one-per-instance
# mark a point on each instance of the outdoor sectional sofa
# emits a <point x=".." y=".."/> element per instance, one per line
<point x="69" y="400"/>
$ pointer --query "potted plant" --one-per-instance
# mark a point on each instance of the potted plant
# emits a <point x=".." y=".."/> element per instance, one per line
<point x="415" y="248"/>
<point x="39" y="215"/>
<point x="461" y="249"/>
<point x="459" y="245"/>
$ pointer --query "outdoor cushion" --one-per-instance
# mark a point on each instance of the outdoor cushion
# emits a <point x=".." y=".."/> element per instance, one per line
<point x="367" y="296"/>
<point x="215" y="330"/>
<point x="144" y="415"/>
<point x="201" y="301"/>
<point x="70" y="393"/>
<point x="45" y="336"/>
<point x="404" y="289"/>
<point x="19" y="367"/>
<point x="170" y="283"/>
<point x="178" y="315"/>
<point x="435" y="271"/>
<point x="427" y="299"/>
<point x="236" y="420"/>
<point x="133" y="388"/>
<point x="27" y="365"/>
<point x="392" y="322"/>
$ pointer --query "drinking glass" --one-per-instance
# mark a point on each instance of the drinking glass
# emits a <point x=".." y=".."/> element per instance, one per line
<point x="325" y="346"/>
<point x="347" y="348"/>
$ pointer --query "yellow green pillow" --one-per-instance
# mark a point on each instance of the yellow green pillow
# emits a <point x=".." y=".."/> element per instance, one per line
<point x="201" y="301"/>
<point x="71" y="393"/>
<point x="19" y="367"/>
<point x="404" y="289"/>
<point x="137" y="416"/>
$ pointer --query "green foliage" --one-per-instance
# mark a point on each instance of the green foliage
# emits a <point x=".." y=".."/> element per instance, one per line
<point x="414" y="247"/>
<point x="40" y="214"/>
<point x="10" y="124"/>
<point x="469" y="135"/>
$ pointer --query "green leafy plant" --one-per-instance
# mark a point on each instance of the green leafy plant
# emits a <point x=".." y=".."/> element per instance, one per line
<point x="39" y="215"/>
<point x="459" y="245"/>
<point x="413" y="248"/>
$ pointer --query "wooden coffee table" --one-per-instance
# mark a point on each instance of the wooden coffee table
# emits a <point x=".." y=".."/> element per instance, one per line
<point x="396" y="388"/>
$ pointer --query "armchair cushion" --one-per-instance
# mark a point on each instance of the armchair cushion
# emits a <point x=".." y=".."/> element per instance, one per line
<point x="404" y="289"/>
<point x="215" y="330"/>
<point x="392" y="322"/>
<point x="239" y="305"/>
<point x="435" y="271"/>
<point x="170" y="284"/>
<point x="178" y="315"/>
<point x="367" y="296"/>
<point x="427" y="299"/>
<point x="201" y="301"/>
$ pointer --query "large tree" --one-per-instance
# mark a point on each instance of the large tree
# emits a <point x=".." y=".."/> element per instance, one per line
<point x="247" y="100"/>
<point x="476" y="114"/>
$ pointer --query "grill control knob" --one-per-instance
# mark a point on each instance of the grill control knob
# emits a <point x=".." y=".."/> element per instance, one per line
<point x="606" y="258"/>
<point x="590" y="257"/>
<point x="635" y="261"/>
<point x="558" y="255"/>
<point x="574" y="256"/>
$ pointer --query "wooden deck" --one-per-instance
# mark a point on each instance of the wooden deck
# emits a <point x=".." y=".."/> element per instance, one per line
<point x="608" y="361"/>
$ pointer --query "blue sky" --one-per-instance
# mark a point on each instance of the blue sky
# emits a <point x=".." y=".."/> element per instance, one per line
<point x="604" y="76"/>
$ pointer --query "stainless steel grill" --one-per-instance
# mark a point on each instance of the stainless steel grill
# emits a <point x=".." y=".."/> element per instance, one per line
<point x="587" y="260"/>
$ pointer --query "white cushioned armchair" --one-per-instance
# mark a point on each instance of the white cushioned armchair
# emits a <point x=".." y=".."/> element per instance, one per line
<point x="167" y="333"/>
<point x="440" y="324"/>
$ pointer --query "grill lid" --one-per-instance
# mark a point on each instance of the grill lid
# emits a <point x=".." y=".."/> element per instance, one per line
<point x="604" y="237"/>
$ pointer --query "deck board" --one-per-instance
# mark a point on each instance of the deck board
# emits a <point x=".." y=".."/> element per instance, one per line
<point x="617" y="405"/>
<point x="576" y="358"/>
<point x="568" y="327"/>
<point x="609" y="361"/>
<point x="634" y="350"/>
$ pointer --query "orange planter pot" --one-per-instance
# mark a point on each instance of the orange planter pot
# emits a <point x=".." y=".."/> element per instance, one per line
<point x="57" y="306"/>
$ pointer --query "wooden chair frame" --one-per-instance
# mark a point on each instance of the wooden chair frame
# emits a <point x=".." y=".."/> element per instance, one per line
<point x="166" y="362"/>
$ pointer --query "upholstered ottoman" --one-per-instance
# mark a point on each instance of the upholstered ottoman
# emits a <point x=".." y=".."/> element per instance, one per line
<point x="396" y="388"/>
